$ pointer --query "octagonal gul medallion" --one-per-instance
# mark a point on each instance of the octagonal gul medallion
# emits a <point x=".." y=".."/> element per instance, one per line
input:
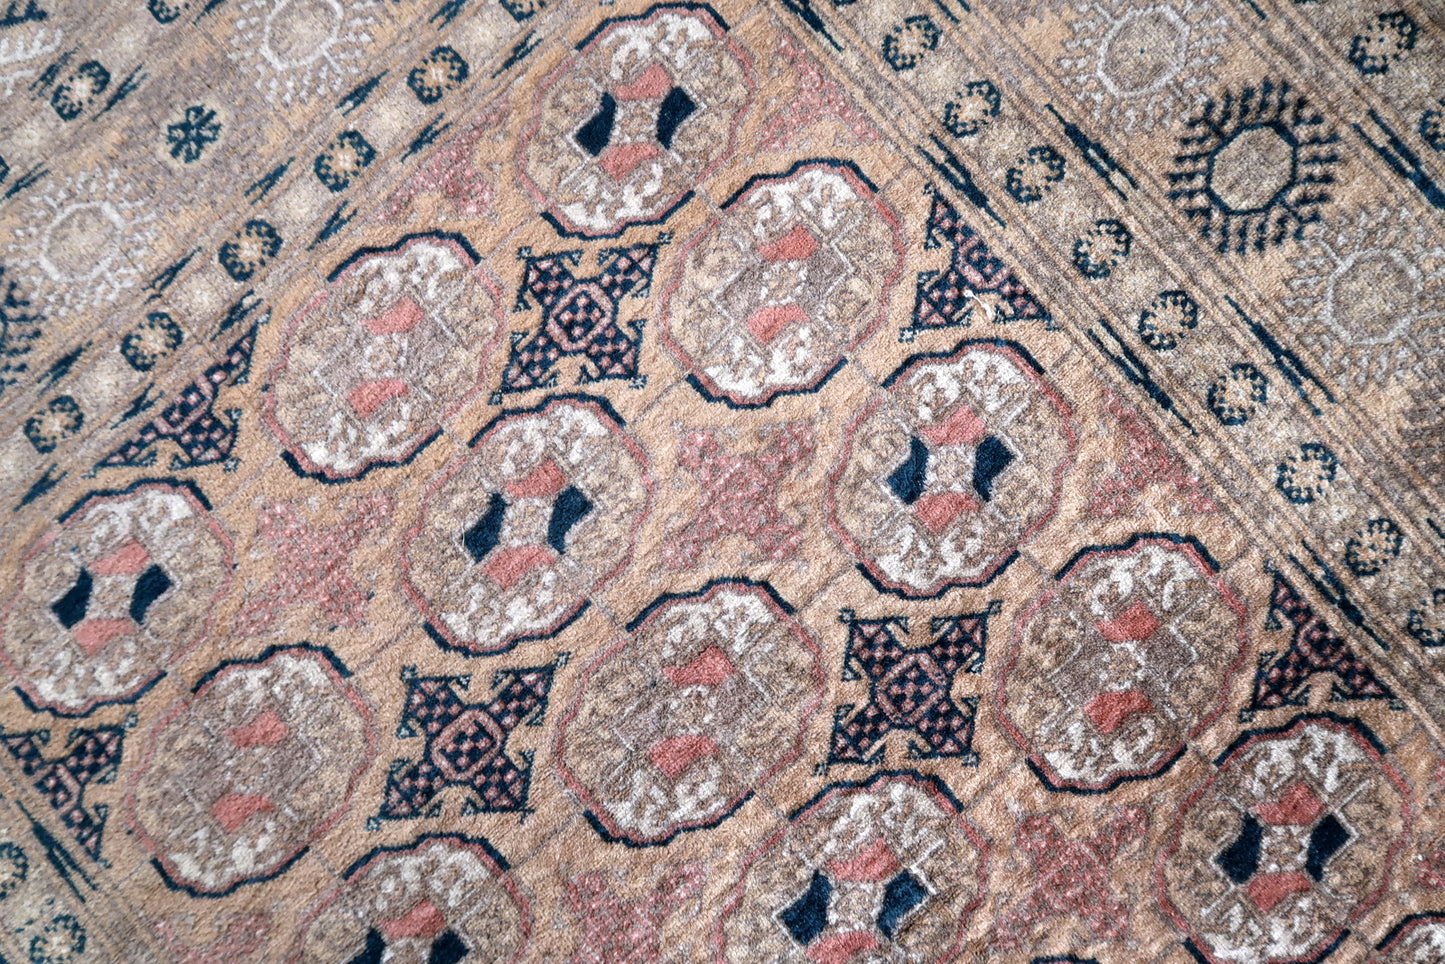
<point x="1123" y="661"/>
<point x="647" y="108"/>
<point x="240" y="778"/>
<point x="699" y="705"/>
<point x="442" y="898"/>
<point x="793" y="275"/>
<point x="114" y="595"/>
<point x="1290" y="840"/>
<point x="373" y="364"/>
<point x="887" y="870"/>
<point x="948" y="472"/>
<point x="517" y="535"/>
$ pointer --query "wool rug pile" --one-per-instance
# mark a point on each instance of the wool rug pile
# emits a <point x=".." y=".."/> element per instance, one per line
<point x="799" y="480"/>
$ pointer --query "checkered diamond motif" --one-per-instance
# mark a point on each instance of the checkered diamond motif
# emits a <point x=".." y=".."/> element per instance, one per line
<point x="909" y="687"/>
<point x="466" y="743"/>
<point x="93" y="757"/>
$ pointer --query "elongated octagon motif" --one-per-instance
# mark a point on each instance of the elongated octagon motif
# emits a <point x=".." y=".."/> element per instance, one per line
<point x="698" y="706"/>
<point x="517" y="535"/>
<point x="887" y="870"/>
<point x="945" y="474"/>
<point x="1294" y="837"/>
<point x="1127" y="658"/>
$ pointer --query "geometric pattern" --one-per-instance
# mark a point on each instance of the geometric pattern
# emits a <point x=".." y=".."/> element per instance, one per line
<point x="519" y="533"/>
<point x="238" y="779"/>
<point x="620" y="930"/>
<point x="648" y="107"/>
<point x="974" y="278"/>
<point x="720" y="683"/>
<point x="123" y="587"/>
<point x="1284" y="677"/>
<point x="466" y="743"/>
<point x="793" y="274"/>
<point x="376" y="361"/>
<point x="889" y="866"/>
<point x="191" y="422"/>
<point x="909" y="688"/>
<point x="580" y="316"/>
<point x="1111" y="672"/>
<point x="739" y="494"/>
<point x="1290" y="839"/>
<point x="1073" y="876"/>
<point x="950" y="469"/>
<point x="93" y="758"/>
<point x="443" y="898"/>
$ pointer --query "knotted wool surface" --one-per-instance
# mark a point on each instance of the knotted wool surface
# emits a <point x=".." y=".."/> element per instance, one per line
<point x="806" y="480"/>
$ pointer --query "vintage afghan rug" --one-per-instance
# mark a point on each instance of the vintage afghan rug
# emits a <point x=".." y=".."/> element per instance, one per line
<point x="798" y="480"/>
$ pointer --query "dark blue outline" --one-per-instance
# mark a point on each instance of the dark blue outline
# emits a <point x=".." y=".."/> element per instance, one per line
<point x="638" y="620"/>
<point x="833" y="162"/>
<point x="1398" y="928"/>
<point x="1113" y="784"/>
<point x="948" y="587"/>
<point x="649" y="12"/>
<point x="707" y="587"/>
<point x="566" y="233"/>
<point x="929" y="778"/>
<point x="1349" y="722"/>
<point x="117" y="701"/>
<point x="506" y="413"/>
<point x="445" y="644"/>
<point x="1134" y="540"/>
<point x="1325" y="952"/>
<point x="295" y="464"/>
<point x="406" y="239"/>
<point x="214" y="895"/>
<point x="823" y="379"/>
<point x="186" y="484"/>
<point x="375" y="852"/>
<point x="270" y="651"/>
<point x="950" y="352"/>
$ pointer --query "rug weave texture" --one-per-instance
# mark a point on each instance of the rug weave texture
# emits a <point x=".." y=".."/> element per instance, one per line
<point x="824" y="481"/>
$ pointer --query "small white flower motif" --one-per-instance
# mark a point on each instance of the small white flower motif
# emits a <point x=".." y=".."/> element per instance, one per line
<point x="302" y="49"/>
<point x="25" y="48"/>
<point x="1138" y="65"/>
<point x="82" y="241"/>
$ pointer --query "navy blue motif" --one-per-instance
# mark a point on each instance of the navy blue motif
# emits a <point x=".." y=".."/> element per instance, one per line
<point x="1235" y="396"/>
<point x="1034" y="174"/>
<point x="1315" y="649"/>
<point x="971" y="108"/>
<point x="437" y="73"/>
<point x="466" y="743"/>
<point x="580" y="316"/>
<point x="76" y="92"/>
<point x="342" y="160"/>
<point x="92" y="758"/>
<point x="1102" y="247"/>
<point x="59" y="420"/>
<point x="909" y="42"/>
<point x="806" y="917"/>
<point x="909" y="688"/>
<point x="1168" y="318"/>
<point x="951" y="297"/>
<point x="191" y="421"/>
<point x="1373" y="546"/>
<point x="1432" y="126"/>
<point x="1384" y="40"/>
<point x="249" y="249"/>
<point x="151" y="340"/>
<point x="1283" y="193"/>
<point x="1304" y="477"/>
<point x="19" y="327"/>
<point x="188" y="138"/>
